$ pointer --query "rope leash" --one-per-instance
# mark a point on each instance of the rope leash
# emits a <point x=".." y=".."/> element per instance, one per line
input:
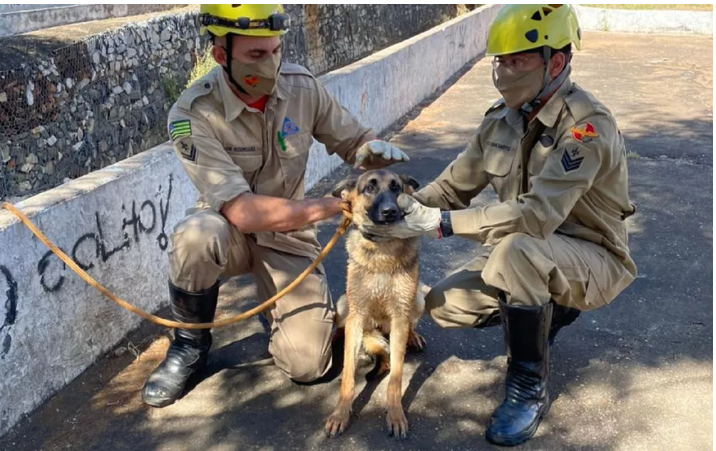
<point x="347" y="216"/>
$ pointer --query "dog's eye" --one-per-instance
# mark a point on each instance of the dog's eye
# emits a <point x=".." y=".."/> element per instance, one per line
<point x="395" y="186"/>
<point x="370" y="189"/>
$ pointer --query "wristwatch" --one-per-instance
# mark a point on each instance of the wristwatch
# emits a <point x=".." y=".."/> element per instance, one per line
<point x="445" y="228"/>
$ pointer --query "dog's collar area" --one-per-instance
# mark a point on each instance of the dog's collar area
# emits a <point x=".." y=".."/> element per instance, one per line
<point x="373" y="238"/>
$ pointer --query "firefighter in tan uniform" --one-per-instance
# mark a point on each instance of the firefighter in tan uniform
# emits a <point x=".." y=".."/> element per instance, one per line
<point x="557" y="239"/>
<point x="243" y="134"/>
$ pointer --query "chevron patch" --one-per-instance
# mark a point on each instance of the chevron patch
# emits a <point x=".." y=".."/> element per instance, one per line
<point x="571" y="161"/>
<point x="187" y="149"/>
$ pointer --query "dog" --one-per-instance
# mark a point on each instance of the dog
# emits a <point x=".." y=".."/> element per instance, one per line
<point x="382" y="294"/>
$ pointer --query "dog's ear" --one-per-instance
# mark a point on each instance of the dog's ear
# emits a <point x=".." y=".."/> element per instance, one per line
<point x="344" y="188"/>
<point x="409" y="181"/>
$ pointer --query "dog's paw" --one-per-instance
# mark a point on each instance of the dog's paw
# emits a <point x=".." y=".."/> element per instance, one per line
<point x="337" y="422"/>
<point x="397" y="423"/>
<point x="416" y="341"/>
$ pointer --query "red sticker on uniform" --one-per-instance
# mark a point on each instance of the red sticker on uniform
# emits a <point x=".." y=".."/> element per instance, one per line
<point x="585" y="134"/>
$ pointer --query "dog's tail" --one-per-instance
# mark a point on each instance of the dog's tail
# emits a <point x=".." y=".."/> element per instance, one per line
<point x="376" y="344"/>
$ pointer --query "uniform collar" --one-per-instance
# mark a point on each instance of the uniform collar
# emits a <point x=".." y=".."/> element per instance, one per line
<point x="233" y="106"/>
<point x="550" y="112"/>
<point x="283" y="89"/>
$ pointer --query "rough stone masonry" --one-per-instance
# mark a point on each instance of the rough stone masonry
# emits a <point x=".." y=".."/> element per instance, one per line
<point x="66" y="110"/>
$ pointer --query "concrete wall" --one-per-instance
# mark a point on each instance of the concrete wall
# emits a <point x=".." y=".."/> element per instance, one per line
<point x="645" y="21"/>
<point x="116" y="222"/>
<point x="82" y="106"/>
<point x="16" y="19"/>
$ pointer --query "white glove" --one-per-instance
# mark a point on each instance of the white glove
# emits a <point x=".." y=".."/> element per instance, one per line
<point x="418" y="220"/>
<point x="371" y="153"/>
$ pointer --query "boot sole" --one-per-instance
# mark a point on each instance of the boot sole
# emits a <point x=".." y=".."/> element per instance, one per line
<point x="522" y="437"/>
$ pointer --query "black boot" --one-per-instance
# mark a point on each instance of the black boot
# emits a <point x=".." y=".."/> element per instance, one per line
<point x="562" y="317"/>
<point x="188" y="351"/>
<point x="526" y="398"/>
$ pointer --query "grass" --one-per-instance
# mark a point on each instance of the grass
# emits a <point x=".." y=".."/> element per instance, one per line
<point x="695" y="7"/>
<point x="170" y="88"/>
<point x="202" y="67"/>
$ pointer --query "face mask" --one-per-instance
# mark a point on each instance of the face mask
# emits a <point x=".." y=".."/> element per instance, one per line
<point x="257" y="79"/>
<point x="517" y="88"/>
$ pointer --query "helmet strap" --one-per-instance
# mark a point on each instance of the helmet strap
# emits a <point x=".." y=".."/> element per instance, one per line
<point x="548" y="86"/>
<point x="229" y="55"/>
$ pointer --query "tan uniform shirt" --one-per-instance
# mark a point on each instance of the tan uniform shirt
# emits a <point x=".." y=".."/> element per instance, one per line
<point x="566" y="172"/>
<point x="228" y="148"/>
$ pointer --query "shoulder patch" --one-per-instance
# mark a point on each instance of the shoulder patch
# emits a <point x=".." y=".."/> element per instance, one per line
<point x="572" y="159"/>
<point x="201" y="88"/>
<point x="180" y="129"/>
<point x="186" y="148"/>
<point x="496" y="107"/>
<point x="295" y="69"/>
<point x="584" y="133"/>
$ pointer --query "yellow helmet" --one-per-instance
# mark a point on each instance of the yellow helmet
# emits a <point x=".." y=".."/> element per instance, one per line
<point x="518" y="28"/>
<point x="247" y="19"/>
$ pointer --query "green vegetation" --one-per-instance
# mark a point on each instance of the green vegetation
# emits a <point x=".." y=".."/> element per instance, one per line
<point x="170" y="88"/>
<point x="202" y="67"/>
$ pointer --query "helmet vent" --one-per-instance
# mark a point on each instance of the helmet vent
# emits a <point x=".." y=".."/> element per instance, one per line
<point x="532" y="36"/>
<point x="536" y="16"/>
<point x="546" y="11"/>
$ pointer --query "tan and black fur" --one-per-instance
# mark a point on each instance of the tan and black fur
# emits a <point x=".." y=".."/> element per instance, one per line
<point x="382" y="297"/>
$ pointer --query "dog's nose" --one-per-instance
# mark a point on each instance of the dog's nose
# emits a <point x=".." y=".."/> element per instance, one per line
<point x="389" y="212"/>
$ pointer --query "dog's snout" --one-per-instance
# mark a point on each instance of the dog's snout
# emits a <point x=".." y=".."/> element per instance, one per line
<point x="389" y="212"/>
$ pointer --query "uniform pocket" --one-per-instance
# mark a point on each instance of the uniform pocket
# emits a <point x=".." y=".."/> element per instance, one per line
<point x="538" y="157"/>
<point x="249" y="164"/>
<point x="294" y="156"/>
<point x="499" y="163"/>
<point x="296" y="146"/>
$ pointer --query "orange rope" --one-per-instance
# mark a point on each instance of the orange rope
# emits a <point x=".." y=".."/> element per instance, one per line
<point x="168" y="323"/>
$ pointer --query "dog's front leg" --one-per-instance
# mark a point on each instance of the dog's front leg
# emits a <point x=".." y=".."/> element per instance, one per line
<point x="397" y="423"/>
<point x="338" y="421"/>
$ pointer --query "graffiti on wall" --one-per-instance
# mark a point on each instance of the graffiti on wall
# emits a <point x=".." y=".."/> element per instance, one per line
<point x="141" y="219"/>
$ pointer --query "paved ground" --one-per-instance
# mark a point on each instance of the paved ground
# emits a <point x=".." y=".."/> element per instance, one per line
<point x="636" y="375"/>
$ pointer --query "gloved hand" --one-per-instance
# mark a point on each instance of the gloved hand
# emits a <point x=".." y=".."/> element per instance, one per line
<point x="418" y="220"/>
<point x="378" y="154"/>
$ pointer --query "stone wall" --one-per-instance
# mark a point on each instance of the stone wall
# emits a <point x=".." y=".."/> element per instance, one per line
<point x="83" y="106"/>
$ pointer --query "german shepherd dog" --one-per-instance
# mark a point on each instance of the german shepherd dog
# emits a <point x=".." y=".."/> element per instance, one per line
<point x="382" y="297"/>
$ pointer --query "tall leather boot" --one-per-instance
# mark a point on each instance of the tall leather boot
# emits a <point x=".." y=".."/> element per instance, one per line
<point x="561" y="317"/>
<point x="189" y="350"/>
<point x="526" y="397"/>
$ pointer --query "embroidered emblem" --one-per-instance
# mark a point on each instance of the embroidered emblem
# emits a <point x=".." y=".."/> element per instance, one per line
<point x="179" y="129"/>
<point x="289" y="127"/>
<point x="251" y="80"/>
<point x="584" y="135"/>
<point x="571" y="161"/>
